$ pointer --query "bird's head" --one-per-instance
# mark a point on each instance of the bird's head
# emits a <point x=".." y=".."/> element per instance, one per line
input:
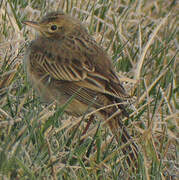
<point x="56" y="25"/>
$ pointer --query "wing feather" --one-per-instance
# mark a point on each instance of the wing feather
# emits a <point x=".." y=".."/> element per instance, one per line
<point x="86" y="69"/>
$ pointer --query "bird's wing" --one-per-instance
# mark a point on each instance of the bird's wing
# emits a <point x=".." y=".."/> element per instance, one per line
<point x="76" y="63"/>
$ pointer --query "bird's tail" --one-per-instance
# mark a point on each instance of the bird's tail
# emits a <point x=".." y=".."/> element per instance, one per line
<point x="122" y="136"/>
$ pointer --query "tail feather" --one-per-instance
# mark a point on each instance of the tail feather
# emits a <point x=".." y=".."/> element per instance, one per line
<point x="121" y="135"/>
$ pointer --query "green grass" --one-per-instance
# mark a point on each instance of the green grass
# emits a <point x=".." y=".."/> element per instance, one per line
<point x="39" y="141"/>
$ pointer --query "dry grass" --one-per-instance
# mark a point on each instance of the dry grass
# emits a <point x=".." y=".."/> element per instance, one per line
<point x="142" y="37"/>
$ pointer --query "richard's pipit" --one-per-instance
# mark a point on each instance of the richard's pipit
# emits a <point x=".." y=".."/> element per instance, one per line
<point x="65" y="60"/>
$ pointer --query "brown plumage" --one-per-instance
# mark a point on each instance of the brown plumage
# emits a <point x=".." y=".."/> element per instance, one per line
<point x="65" y="60"/>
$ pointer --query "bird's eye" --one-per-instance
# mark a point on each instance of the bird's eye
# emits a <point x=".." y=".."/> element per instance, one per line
<point x="53" y="27"/>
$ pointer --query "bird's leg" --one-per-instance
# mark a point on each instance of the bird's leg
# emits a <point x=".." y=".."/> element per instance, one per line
<point x="87" y="126"/>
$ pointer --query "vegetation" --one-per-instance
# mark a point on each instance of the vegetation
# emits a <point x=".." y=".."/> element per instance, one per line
<point x="39" y="141"/>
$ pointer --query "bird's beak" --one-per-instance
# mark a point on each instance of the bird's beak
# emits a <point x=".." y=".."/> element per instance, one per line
<point x="32" y="24"/>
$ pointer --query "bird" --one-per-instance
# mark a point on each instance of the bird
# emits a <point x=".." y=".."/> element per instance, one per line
<point x="65" y="61"/>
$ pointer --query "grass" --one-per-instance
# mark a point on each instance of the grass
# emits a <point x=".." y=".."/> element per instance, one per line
<point x="39" y="141"/>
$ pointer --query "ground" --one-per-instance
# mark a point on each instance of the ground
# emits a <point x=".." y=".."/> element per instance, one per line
<point x="38" y="141"/>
